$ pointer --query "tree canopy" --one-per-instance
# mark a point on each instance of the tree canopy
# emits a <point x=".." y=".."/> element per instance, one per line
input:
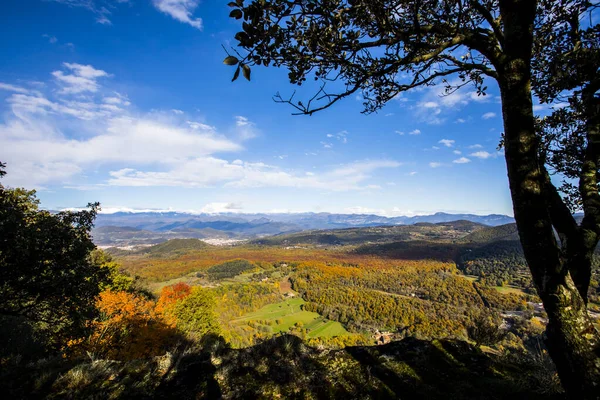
<point x="47" y="276"/>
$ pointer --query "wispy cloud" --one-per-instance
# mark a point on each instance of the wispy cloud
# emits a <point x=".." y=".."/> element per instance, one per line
<point x="83" y="78"/>
<point x="488" y="115"/>
<point x="342" y="136"/>
<point x="435" y="105"/>
<point x="51" y="39"/>
<point x="211" y="171"/>
<point x="435" y="164"/>
<point x="181" y="10"/>
<point x="246" y="128"/>
<point x="100" y="8"/>
<point x="13" y="88"/>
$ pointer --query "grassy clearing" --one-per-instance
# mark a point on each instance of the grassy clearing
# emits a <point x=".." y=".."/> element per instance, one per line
<point x="510" y="289"/>
<point x="286" y="314"/>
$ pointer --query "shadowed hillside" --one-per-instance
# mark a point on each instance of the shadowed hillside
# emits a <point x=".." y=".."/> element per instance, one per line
<point x="377" y="234"/>
<point x="490" y="234"/>
<point x="285" y="367"/>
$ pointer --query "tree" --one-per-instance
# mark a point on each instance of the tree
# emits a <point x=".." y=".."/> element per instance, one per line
<point x="128" y="328"/>
<point x="485" y="329"/>
<point x="195" y="313"/>
<point x="369" y="45"/>
<point x="117" y="280"/>
<point x="47" y="277"/>
<point x="169" y="296"/>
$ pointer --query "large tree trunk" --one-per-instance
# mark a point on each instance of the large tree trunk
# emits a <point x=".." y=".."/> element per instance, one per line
<point x="571" y="338"/>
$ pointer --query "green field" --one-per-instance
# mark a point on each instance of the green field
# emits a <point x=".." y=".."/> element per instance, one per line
<point x="286" y="314"/>
<point x="510" y="289"/>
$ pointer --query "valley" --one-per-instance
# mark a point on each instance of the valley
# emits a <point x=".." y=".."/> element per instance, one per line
<point x="345" y="286"/>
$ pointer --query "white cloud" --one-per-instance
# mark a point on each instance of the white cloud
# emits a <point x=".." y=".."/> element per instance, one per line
<point x="327" y="145"/>
<point x="480" y="98"/>
<point x="125" y="148"/>
<point x="218" y="208"/>
<point x="436" y="105"/>
<point x="178" y="112"/>
<point x="246" y="128"/>
<point x="117" y="99"/>
<point x="181" y="10"/>
<point x="476" y="146"/>
<point x="460" y="121"/>
<point x="412" y="173"/>
<point x="400" y="133"/>
<point x="415" y="132"/>
<point x="481" y="154"/>
<point x="201" y="126"/>
<point x="13" y="88"/>
<point x="457" y="152"/>
<point x="82" y="79"/>
<point x="435" y="164"/>
<point x="462" y="160"/>
<point x="488" y="115"/>
<point x="37" y="104"/>
<point x="447" y="142"/>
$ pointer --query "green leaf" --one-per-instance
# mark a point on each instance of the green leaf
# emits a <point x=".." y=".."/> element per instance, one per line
<point x="237" y="14"/>
<point x="230" y="60"/>
<point x="246" y="70"/>
<point x="236" y="74"/>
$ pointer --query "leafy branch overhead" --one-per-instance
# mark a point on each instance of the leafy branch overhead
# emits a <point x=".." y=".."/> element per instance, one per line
<point x="372" y="47"/>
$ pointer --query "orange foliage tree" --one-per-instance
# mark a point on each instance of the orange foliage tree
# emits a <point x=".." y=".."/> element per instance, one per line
<point x="169" y="295"/>
<point x="129" y="328"/>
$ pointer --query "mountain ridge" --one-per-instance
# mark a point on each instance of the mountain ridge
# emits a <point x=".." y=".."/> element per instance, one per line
<point x="126" y="228"/>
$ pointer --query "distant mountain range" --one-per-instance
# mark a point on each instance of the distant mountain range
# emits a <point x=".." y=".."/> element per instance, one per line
<point x="129" y="228"/>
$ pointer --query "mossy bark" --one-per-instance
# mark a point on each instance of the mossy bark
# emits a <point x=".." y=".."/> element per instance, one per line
<point x="572" y="341"/>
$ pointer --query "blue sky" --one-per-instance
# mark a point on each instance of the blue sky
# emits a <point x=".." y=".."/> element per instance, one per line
<point x="127" y="102"/>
